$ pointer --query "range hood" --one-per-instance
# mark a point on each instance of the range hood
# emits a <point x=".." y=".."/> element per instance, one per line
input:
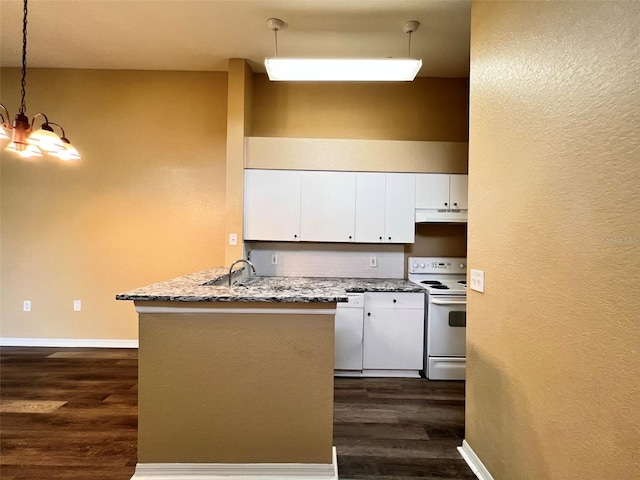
<point x="425" y="215"/>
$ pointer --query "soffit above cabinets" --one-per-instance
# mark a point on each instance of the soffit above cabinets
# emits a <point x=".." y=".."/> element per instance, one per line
<point x="355" y="155"/>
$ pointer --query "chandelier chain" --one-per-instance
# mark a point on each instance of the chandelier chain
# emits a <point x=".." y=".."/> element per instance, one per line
<point x="24" y="59"/>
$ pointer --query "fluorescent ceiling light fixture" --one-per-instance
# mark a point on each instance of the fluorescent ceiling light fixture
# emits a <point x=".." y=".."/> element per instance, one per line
<point x="343" y="69"/>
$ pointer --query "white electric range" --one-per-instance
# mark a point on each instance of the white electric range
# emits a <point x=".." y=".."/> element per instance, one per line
<point x="445" y="280"/>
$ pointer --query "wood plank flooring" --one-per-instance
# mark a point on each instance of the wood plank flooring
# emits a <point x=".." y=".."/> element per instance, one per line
<point x="72" y="414"/>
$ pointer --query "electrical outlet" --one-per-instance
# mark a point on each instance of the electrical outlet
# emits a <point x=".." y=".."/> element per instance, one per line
<point x="26" y="306"/>
<point x="77" y="305"/>
<point x="373" y="262"/>
<point x="274" y="259"/>
<point x="477" y="280"/>
<point x="233" y="239"/>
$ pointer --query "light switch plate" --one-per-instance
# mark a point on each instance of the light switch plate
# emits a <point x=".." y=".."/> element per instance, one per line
<point x="77" y="305"/>
<point x="233" y="239"/>
<point x="477" y="280"/>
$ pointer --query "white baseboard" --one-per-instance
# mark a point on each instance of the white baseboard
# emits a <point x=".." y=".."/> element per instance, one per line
<point x="67" y="342"/>
<point x="474" y="462"/>
<point x="238" y="471"/>
<point x="377" y="373"/>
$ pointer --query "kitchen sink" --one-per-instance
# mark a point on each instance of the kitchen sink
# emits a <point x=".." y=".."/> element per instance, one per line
<point x="237" y="280"/>
<point x="247" y="282"/>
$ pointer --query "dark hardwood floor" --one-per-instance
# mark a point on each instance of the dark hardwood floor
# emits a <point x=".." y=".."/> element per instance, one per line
<point x="72" y="414"/>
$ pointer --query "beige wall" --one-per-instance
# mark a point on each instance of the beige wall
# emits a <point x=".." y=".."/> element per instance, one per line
<point x="145" y="204"/>
<point x="426" y="109"/>
<point x="553" y="372"/>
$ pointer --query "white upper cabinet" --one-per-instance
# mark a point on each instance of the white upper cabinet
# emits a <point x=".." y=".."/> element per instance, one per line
<point x="432" y="190"/>
<point x="399" y="208"/>
<point x="458" y="195"/>
<point x="272" y="205"/>
<point x="384" y="207"/>
<point x="441" y="191"/>
<point x="370" y="207"/>
<point x="318" y="206"/>
<point x="328" y="204"/>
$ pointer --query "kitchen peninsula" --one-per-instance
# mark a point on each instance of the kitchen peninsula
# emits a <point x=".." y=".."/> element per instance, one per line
<point x="238" y="381"/>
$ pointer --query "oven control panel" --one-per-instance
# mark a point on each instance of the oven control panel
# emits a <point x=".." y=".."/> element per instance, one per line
<point x="437" y="265"/>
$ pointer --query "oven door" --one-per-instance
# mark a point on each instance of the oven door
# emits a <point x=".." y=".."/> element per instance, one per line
<point x="446" y="326"/>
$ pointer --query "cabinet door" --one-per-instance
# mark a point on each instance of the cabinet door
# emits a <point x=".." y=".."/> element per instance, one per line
<point x="432" y="190"/>
<point x="400" y="202"/>
<point x="348" y="341"/>
<point x="328" y="204"/>
<point x="272" y="205"/>
<point x="393" y="337"/>
<point x="459" y="191"/>
<point x="370" y="207"/>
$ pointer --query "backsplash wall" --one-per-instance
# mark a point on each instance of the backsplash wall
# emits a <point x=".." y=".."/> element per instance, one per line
<point x="341" y="260"/>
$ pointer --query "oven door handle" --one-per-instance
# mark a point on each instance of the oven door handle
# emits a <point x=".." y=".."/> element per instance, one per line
<point x="448" y="302"/>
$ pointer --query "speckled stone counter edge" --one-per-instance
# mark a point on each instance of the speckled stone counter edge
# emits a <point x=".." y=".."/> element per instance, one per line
<point x="197" y="287"/>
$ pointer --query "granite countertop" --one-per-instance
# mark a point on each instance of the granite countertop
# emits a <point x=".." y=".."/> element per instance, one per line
<point x="212" y="286"/>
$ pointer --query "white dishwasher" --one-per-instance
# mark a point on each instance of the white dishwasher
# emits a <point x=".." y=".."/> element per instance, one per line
<point x="349" y="336"/>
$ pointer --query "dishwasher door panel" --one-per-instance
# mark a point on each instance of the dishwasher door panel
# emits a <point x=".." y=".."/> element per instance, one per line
<point x="348" y="338"/>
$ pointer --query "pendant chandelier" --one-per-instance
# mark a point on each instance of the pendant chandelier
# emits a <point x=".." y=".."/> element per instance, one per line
<point x="25" y="141"/>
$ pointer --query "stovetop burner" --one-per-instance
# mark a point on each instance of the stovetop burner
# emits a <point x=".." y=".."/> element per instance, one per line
<point x="439" y="276"/>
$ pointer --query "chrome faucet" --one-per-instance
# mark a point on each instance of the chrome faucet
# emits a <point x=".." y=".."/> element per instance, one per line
<point x="239" y="261"/>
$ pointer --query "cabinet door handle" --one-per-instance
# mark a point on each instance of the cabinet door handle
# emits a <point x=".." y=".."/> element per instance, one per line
<point x="295" y="236"/>
<point x="368" y="314"/>
<point x="389" y="238"/>
<point x="446" y="204"/>
<point x="455" y="204"/>
<point x="380" y="238"/>
<point x="349" y="237"/>
<point x="394" y="300"/>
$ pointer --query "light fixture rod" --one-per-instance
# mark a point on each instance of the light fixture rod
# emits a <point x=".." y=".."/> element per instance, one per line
<point x="410" y="27"/>
<point x="275" y="24"/>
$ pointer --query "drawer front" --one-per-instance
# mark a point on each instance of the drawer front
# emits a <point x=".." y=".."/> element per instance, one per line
<point x="393" y="300"/>
<point x="443" y="368"/>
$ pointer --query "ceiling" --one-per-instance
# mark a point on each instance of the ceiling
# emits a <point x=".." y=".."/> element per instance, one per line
<point x="201" y="35"/>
